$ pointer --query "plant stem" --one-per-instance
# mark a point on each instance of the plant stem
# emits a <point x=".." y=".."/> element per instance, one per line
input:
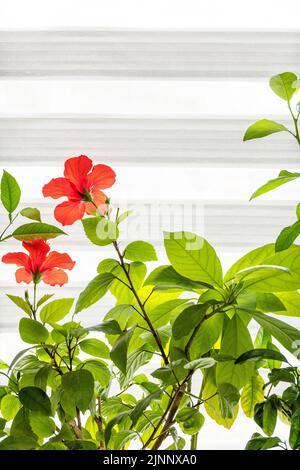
<point x="141" y="305"/>
<point x="295" y="120"/>
<point x="6" y="228"/>
<point x="173" y="410"/>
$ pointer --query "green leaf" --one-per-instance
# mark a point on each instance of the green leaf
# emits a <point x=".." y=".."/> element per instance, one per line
<point x="99" y="371"/>
<point x="291" y="302"/>
<point x="284" y="85"/>
<point x="119" y="350"/>
<point x="31" y="213"/>
<point x="44" y="299"/>
<point x="282" y="375"/>
<point x="94" y="347"/>
<point x="35" y="399"/>
<point x="123" y="314"/>
<point x="96" y="289"/>
<point x="287" y="236"/>
<point x="124" y="216"/>
<point x="20" y="426"/>
<point x="269" y="303"/>
<point x="193" y="257"/>
<point x="18" y="443"/>
<point x="206" y="336"/>
<point x="258" y="354"/>
<point x="277" y="280"/>
<point x="120" y="291"/>
<point x="56" y="310"/>
<point x="188" y="320"/>
<point x="37" y="230"/>
<point x="165" y="312"/>
<point x="228" y="399"/>
<point x="10" y="406"/>
<point x="77" y="387"/>
<point x="259" y="442"/>
<point x="167" y="276"/>
<point x="3" y="365"/>
<point x="263" y="128"/>
<point x="283" y="178"/>
<point x="42" y="425"/>
<point x="252" y="394"/>
<point x="10" y="192"/>
<point x="21" y="303"/>
<point x="100" y="231"/>
<point x="143" y="405"/>
<point x="107" y="265"/>
<point x="202" y="363"/>
<point x="190" y="420"/>
<point x="236" y="340"/>
<point x="212" y="402"/>
<point x="253" y="258"/>
<point x="32" y="332"/>
<point x="284" y="333"/>
<point x="112" y="423"/>
<point x="140" y="251"/>
<point x="294" y="437"/>
<point x="270" y="415"/>
<point x="110" y="327"/>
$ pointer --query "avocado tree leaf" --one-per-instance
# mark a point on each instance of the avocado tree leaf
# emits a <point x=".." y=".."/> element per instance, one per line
<point x="167" y="276"/>
<point x="286" y="334"/>
<point x="252" y="394"/>
<point x="193" y="257"/>
<point x="283" y="178"/>
<point x="263" y="128"/>
<point x="119" y="350"/>
<point x="236" y="340"/>
<point x="258" y="354"/>
<point x="259" y="442"/>
<point x="142" y="405"/>
<point x="253" y="258"/>
<point x="187" y="320"/>
<point x="287" y="236"/>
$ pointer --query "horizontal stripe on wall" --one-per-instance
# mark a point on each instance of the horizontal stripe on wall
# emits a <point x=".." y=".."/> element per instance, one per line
<point x="201" y="141"/>
<point x="232" y="226"/>
<point x="149" y="54"/>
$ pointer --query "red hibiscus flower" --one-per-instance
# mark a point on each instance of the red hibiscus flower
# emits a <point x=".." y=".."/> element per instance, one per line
<point x="39" y="265"/>
<point x="82" y="186"/>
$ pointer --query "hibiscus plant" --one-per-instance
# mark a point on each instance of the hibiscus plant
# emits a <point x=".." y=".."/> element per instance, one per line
<point x="174" y="351"/>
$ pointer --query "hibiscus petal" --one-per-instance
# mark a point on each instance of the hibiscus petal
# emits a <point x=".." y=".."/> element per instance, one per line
<point x="55" y="277"/>
<point x="99" y="199"/>
<point x="101" y="177"/>
<point x="69" y="211"/>
<point x="19" y="258"/>
<point x="38" y="250"/>
<point x="57" y="260"/>
<point x="59" y="187"/>
<point x="76" y="170"/>
<point x="22" y="275"/>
